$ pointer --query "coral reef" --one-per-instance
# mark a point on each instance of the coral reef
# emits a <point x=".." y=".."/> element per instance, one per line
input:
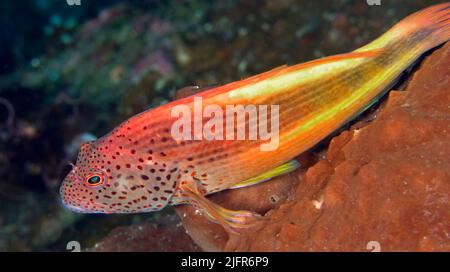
<point x="384" y="181"/>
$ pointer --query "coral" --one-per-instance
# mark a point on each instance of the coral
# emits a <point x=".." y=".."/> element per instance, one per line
<point x="384" y="181"/>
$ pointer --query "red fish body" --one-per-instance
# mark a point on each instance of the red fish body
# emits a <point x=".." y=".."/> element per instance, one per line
<point x="140" y="167"/>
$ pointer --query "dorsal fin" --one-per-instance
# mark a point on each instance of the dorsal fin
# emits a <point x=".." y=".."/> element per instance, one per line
<point x="191" y="90"/>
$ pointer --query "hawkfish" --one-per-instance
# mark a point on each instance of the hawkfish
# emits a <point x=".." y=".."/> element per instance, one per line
<point x="140" y="167"/>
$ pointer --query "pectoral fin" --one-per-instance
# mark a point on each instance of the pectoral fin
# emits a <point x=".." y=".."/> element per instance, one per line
<point x="277" y="171"/>
<point x="232" y="221"/>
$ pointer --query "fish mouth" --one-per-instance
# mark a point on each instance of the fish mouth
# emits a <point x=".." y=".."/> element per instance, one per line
<point x="77" y="209"/>
<point x="73" y="208"/>
<point x="63" y="202"/>
<point x="73" y="178"/>
<point x="77" y="205"/>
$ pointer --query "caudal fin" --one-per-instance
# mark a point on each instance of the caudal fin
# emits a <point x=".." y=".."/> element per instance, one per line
<point x="430" y="26"/>
<point x="422" y="30"/>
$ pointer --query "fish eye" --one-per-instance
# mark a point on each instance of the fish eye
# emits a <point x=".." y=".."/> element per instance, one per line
<point x="94" y="179"/>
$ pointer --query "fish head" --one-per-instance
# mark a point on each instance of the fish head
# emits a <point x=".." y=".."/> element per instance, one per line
<point x="77" y="190"/>
<point x="106" y="179"/>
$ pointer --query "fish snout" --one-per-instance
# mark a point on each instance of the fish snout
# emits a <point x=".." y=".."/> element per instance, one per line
<point x="68" y="193"/>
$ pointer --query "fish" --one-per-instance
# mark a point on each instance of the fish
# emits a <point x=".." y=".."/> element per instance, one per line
<point x="141" y="167"/>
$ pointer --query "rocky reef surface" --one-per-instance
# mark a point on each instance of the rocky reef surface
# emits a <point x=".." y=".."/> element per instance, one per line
<point x="384" y="182"/>
<point x="167" y="235"/>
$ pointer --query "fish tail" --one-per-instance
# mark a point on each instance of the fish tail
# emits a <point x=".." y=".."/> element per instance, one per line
<point x="420" y="31"/>
<point x="429" y="27"/>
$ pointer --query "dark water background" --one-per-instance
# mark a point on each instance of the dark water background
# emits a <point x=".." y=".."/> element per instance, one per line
<point x="71" y="73"/>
